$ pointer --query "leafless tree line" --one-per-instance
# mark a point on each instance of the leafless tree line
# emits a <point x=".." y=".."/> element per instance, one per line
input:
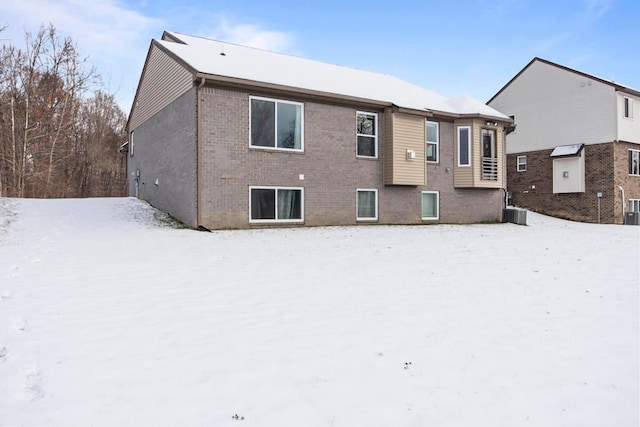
<point x="59" y="137"/>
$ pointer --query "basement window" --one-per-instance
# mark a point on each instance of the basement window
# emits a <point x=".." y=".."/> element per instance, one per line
<point x="367" y="204"/>
<point x="430" y="205"/>
<point x="276" y="204"/>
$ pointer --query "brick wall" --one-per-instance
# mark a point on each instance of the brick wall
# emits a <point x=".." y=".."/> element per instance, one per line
<point x="165" y="152"/>
<point x="533" y="189"/>
<point x="332" y="173"/>
<point x="630" y="183"/>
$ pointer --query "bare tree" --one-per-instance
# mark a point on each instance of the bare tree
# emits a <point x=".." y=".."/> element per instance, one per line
<point x="45" y="119"/>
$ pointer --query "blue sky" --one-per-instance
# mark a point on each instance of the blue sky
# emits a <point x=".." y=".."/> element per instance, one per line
<point x="468" y="47"/>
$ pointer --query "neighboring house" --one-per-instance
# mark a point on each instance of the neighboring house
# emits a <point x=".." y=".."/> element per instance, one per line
<point x="228" y="136"/>
<point x="575" y="151"/>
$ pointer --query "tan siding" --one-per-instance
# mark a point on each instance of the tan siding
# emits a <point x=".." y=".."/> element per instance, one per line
<point x="471" y="177"/>
<point x="163" y="81"/>
<point x="388" y="148"/>
<point x="462" y="177"/>
<point x="408" y="134"/>
<point x="478" y="182"/>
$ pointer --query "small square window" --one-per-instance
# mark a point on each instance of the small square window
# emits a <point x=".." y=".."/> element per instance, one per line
<point x="366" y="134"/>
<point x="522" y="163"/>
<point x="367" y="205"/>
<point x="430" y="205"/>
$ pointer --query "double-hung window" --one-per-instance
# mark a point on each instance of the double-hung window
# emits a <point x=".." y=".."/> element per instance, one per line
<point x="430" y="205"/>
<point x="634" y="162"/>
<point x="634" y="205"/>
<point x="464" y="146"/>
<point x="274" y="204"/>
<point x="628" y="108"/>
<point x="276" y="124"/>
<point x="522" y="163"/>
<point x="433" y="137"/>
<point x="366" y="134"/>
<point x="367" y="204"/>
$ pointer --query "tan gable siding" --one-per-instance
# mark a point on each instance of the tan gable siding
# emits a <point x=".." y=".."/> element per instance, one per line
<point x="407" y="133"/>
<point x="163" y="81"/>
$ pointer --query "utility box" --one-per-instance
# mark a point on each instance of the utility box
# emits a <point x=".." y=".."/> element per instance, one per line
<point x="632" y="218"/>
<point x="515" y="216"/>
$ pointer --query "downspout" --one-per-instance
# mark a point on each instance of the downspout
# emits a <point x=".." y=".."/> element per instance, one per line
<point x="623" y="204"/>
<point x="199" y="104"/>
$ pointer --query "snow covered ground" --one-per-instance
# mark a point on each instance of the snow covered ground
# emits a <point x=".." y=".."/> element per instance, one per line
<point x="110" y="317"/>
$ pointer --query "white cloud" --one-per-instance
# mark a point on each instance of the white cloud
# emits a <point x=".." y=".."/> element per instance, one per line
<point x="595" y="9"/>
<point x="253" y="35"/>
<point x="112" y="36"/>
<point x="115" y="35"/>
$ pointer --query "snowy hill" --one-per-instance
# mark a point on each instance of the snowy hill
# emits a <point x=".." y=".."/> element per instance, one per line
<point x="108" y="316"/>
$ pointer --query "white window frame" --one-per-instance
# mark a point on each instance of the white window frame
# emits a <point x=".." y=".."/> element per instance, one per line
<point x="276" y="101"/>
<point x="375" y="135"/>
<point x="521" y="166"/>
<point x="627" y="107"/>
<point x="436" y="142"/>
<point x="131" y="144"/>
<point x="468" y="165"/>
<point x="634" y="205"/>
<point x="276" y="220"/>
<point x="636" y="154"/>
<point x="437" y="193"/>
<point x="375" y="191"/>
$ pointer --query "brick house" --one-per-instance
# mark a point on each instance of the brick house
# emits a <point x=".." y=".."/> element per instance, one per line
<point x="575" y="151"/>
<point x="227" y="136"/>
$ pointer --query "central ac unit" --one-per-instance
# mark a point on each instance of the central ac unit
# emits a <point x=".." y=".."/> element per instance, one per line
<point x="515" y="216"/>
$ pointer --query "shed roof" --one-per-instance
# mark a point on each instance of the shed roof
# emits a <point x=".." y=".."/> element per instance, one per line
<point x="567" y="150"/>
<point x="205" y="56"/>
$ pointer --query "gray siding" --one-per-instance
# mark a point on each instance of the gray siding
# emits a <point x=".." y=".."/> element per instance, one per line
<point x="556" y="107"/>
<point x="163" y="81"/>
<point x="165" y="150"/>
<point x="628" y="128"/>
